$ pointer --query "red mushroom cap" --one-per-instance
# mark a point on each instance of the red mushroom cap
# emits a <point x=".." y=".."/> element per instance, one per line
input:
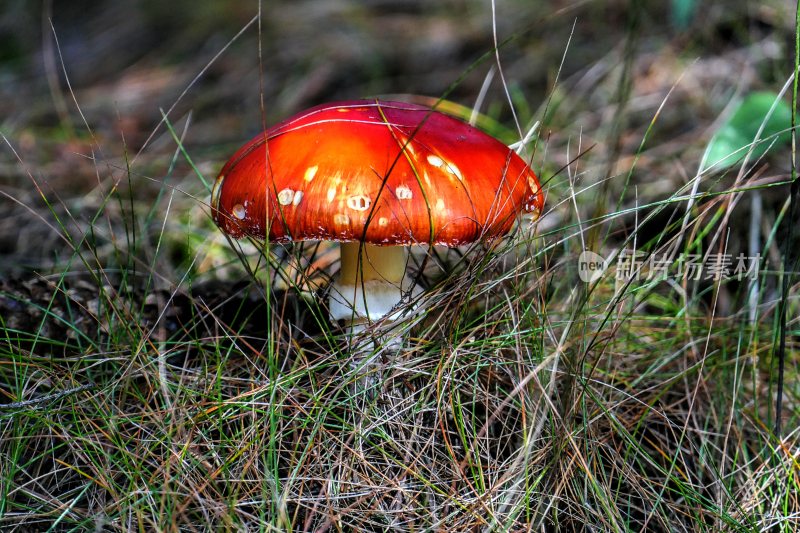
<point x="374" y="171"/>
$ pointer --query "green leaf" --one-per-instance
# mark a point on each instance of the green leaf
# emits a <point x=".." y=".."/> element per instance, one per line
<point x="732" y="141"/>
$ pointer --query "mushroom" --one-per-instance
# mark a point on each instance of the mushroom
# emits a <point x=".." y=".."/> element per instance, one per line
<point x="377" y="176"/>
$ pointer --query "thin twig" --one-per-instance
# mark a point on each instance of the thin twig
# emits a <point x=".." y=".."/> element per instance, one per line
<point x="53" y="397"/>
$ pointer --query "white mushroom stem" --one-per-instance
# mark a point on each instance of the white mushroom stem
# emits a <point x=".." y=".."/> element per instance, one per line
<point x="372" y="281"/>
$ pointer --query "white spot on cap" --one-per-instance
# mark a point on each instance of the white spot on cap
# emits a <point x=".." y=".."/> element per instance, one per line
<point x="452" y="169"/>
<point x="285" y="197"/>
<point x="239" y="212"/>
<point x="383" y="221"/>
<point x="403" y="193"/>
<point x="311" y="172"/>
<point x="440" y="204"/>
<point x="532" y="183"/>
<point x="298" y="195"/>
<point x="435" y="160"/>
<point x="341" y="218"/>
<point x="359" y="202"/>
<point x="331" y="194"/>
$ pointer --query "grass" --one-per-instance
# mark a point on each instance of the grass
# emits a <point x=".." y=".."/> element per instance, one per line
<point x="154" y="376"/>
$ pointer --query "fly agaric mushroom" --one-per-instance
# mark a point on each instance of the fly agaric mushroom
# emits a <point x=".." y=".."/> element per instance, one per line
<point x="376" y="176"/>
